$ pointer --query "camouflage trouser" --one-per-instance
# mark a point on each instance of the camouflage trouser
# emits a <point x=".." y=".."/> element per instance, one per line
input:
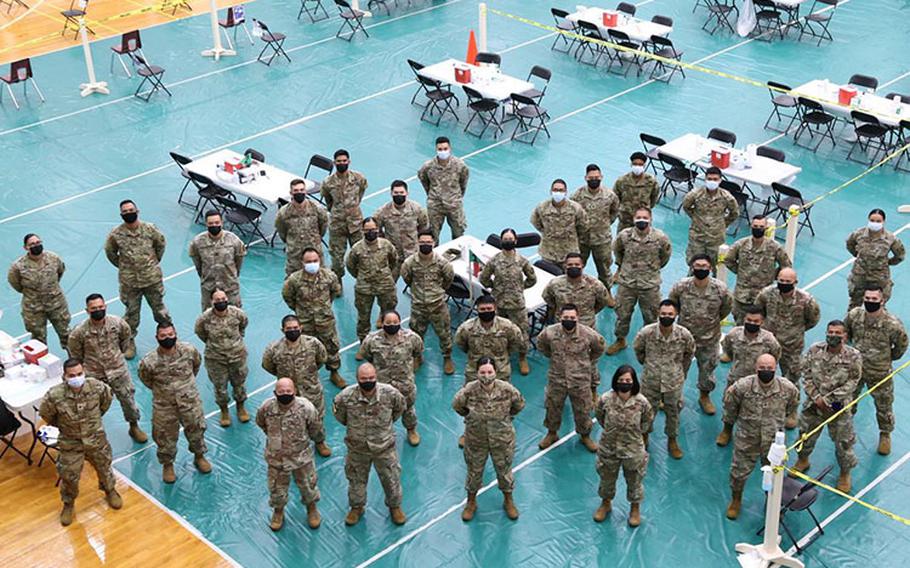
<point x="856" y="287"/>
<point x="476" y="451"/>
<point x="603" y="259"/>
<point x="626" y="220"/>
<point x="519" y="317"/>
<point x="122" y="385"/>
<point x="626" y="297"/>
<point x="233" y="294"/>
<point x="555" y="400"/>
<point x="633" y="470"/>
<point x="324" y="329"/>
<point x="221" y="373"/>
<point x="339" y="239"/>
<point x="357" y="470"/>
<point x="423" y="316"/>
<point x="409" y="391"/>
<point x="673" y="404"/>
<point x="314" y="394"/>
<point x="73" y="454"/>
<point x="438" y="212"/>
<point x="57" y="312"/>
<point x="840" y="430"/>
<point x="883" y="397"/>
<point x="132" y="301"/>
<point x="363" y="301"/>
<point x="791" y="361"/>
<point x="706" y="358"/>
<point x="167" y="418"/>
<point x="696" y="246"/>
<point x="279" y="480"/>
<point x="739" y="308"/>
<point x="747" y="449"/>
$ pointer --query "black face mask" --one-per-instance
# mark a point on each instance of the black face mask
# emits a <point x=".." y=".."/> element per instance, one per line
<point x="391" y="329"/>
<point x="399" y="199"/>
<point x="785" y="288"/>
<point x="36" y="250"/>
<point x="641" y="224"/>
<point x="129" y="217"/>
<point x="486" y="316"/>
<point x="97" y="315"/>
<point x="371" y="235"/>
<point x="285" y="398"/>
<point x="872" y="306"/>
<point x="623" y="387"/>
<point x="666" y="322"/>
<point x="292" y="334"/>
<point x="765" y="376"/>
<point x="367" y="385"/>
<point x="701" y="273"/>
<point x="573" y="272"/>
<point x="298" y="197"/>
<point x="568" y="325"/>
<point x="341" y="168"/>
<point x="508" y="245"/>
<point x="214" y="230"/>
<point x="425" y="249"/>
<point x="751" y="327"/>
<point x="220" y="306"/>
<point x="167" y="342"/>
<point x="758" y="233"/>
<point x="593" y="183"/>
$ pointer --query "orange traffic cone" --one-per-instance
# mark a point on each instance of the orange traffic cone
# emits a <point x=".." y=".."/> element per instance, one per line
<point x="472" y="49"/>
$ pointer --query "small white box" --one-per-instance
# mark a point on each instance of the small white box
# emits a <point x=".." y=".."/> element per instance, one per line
<point x="52" y="364"/>
<point x="12" y="358"/>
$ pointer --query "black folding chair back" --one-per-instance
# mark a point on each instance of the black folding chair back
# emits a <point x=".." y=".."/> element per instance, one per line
<point x="487" y="58"/>
<point x="902" y="138"/>
<point x="865" y="81"/>
<point x="663" y="20"/>
<point x="817" y="21"/>
<point x="530" y="115"/>
<point x="255" y="154"/>
<point x="781" y="100"/>
<point x="543" y="74"/>
<point x="208" y="193"/>
<point x="311" y="8"/>
<point x="815" y="120"/>
<point x="721" y="14"/>
<point x="870" y="134"/>
<point x="786" y="197"/>
<point x="768" y="19"/>
<point x="151" y="74"/>
<point x="773" y="153"/>
<point x="562" y="22"/>
<point x="486" y="110"/>
<point x="902" y="98"/>
<point x="625" y="59"/>
<point x="439" y="99"/>
<point x="595" y="48"/>
<point x="626" y="8"/>
<point x="9" y="425"/>
<point x="800" y="496"/>
<point x="723" y="136"/>
<point x="651" y="143"/>
<point x="351" y="19"/>
<point x="663" y="47"/>
<point x="416" y="67"/>
<point x="677" y="177"/>
<point x="242" y="218"/>
<point x="319" y="162"/>
<point x="742" y="199"/>
<point x="182" y="161"/>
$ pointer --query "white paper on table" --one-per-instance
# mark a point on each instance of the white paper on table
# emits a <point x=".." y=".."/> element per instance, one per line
<point x="747" y="21"/>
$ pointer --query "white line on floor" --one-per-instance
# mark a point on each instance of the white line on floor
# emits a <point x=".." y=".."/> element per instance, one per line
<point x="842" y="265"/>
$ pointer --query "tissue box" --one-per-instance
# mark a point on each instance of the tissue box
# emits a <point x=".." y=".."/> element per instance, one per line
<point x="52" y="364"/>
<point x="462" y="75"/>
<point x="846" y="94"/>
<point x="611" y="19"/>
<point x="33" y="350"/>
<point x="12" y="358"/>
<point x="720" y="158"/>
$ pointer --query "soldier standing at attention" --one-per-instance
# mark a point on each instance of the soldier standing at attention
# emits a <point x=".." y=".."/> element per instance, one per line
<point x="635" y="190"/>
<point x="301" y="224"/>
<point x="36" y="275"/>
<point x="588" y="294"/>
<point x="373" y="262"/>
<point x="342" y="192"/>
<point x="601" y="208"/>
<point x="561" y="222"/>
<point x="755" y="260"/>
<point x="445" y="179"/>
<point x="401" y="221"/>
<point x="218" y="256"/>
<point x="712" y="210"/>
<point x="876" y="251"/>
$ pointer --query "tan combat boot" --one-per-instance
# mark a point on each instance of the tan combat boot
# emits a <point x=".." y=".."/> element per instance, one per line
<point x="323" y="449"/>
<point x="635" y="515"/>
<point x="225" y="419"/>
<point x="588" y="443"/>
<point x="548" y="440"/>
<point x="242" y="414"/>
<point x="704" y="400"/>
<point x="611" y="301"/>
<point x="735" y="504"/>
<point x="202" y="464"/>
<point x="114" y="499"/>
<point x="313" y="518"/>
<point x="413" y="437"/>
<point x="461" y="441"/>
<point x="724" y="437"/>
<point x="802" y="465"/>
<point x="130" y="352"/>
<point x="673" y="449"/>
<point x="448" y="367"/>
<point x="398" y="516"/>
<point x="470" y="508"/>
<point x="601" y="513"/>
<point x="884" y="443"/>
<point x="724" y="357"/>
<point x="509" y="506"/>
<point x="137" y="434"/>
<point x="167" y="473"/>
<point x="617" y="346"/>
<point x="277" y="519"/>
<point x="66" y="515"/>
<point x="843" y="482"/>
<point x="353" y="516"/>
<point x="337" y="379"/>
<point x="523" y="366"/>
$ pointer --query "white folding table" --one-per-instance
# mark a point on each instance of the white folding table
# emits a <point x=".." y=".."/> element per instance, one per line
<point x="825" y="92"/>
<point x="489" y="81"/>
<point x="22" y="397"/>
<point x="637" y="29"/>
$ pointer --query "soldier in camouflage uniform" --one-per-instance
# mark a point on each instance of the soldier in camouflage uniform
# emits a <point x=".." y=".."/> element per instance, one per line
<point x="373" y="261"/>
<point x="342" y="192"/>
<point x="640" y="253"/>
<point x="832" y="370"/>
<point x="508" y="274"/>
<point x="789" y="314"/>
<point x="625" y="416"/>
<point x="880" y="338"/>
<point x="401" y="221"/>
<point x="222" y="328"/>
<point x="36" y="275"/>
<point x="601" y="208"/>
<point x="429" y="276"/>
<point x="755" y="260"/>
<point x="76" y="408"/>
<point x="309" y="293"/>
<point x="488" y="406"/>
<point x="573" y="351"/>
<point x="299" y="357"/>
<point x="396" y="353"/>
<point x="100" y="342"/>
<point x="301" y="224"/>
<point x="368" y="411"/>
<point x="635" y="190"/>
<point x="445" y="179"/>
<point x="712" y="210"/>
<point x="744" y="343"/>
<point x="759" y="405"/>
<point x="665" y="350"/>
<point x="218" y="256"/>
<point x="703" y="303"/>
<point x="876" y="251"/>
<point x="170" y="373"/>
<point x="488" y="335"/>
<point x="562" y="224"/>
<point x="136" y="249"/>
<point x="289" y="423"/>
<point x="587" y="293"/>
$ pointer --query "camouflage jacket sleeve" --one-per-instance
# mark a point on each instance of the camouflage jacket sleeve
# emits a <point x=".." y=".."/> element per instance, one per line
<point x="158" y="242"/>
<point x="638" y="345"/>
<point x="105" y="398"/>
<point x="596" y="347"/>
<point x="812" y="314"/>
<point x="260" y="419"/>
<point x="281" y="227"/>
<point x="146" y="375"/>
<point x="48" y="411"/>
<point x="448" y="275"/>
<point x="647" y="417"/>
<point x="601" y="296"/>
<point x="335" y="286"/>
<point x="125" y="335"/>
<point x="518" y="402"/>
<point x="898" y="252"/>
<point x="619" y="250"/>
<point x="416" y="346"/>
<point x="549" y="297"/>
<point x="688" y="203"/>
<point x="340" y="409"/>
<point x="732" y="209"/>
<point x="689" y="352"/>
<point x="600" y="410"/>
<point x="726" y="304"/>
<point x="845" y="391"/>
<point x="851" y="243"/>
<point x="732" y="402"/>
<point x="353" y="262"/>
<point x="268" y="361"/>
<point x="289" y="292"/>
<point x="783" y="259"/>
<point x="460" y="403"/>
<point x="726" y="346"/>
<point x="313" y="423"/>
<point x="14" y="278"/>
<point x="655" y="190"/>
<point x="197" y="360"/>
<point x="666" y="249"/>
<point x="543" y="343"/>
<point x="365" y="351"/>
<point x="322" y="220"/>
<point x="530" y="275"/>
<point x="731" y="261"/>
<point x="321" y="353"/>
<point x="200" y="330"/>
<point x="810" y="384"/>
<point x="898" y="341"/>
<point x="463" y="175"/>
<point x="407" y="275"/>
<point x="392" y="256"/>
<point x="423" y="177"/>
<point x="398" y="404"/>
<point x="193" y="253"/>
<point x="535" y="219"/>
<point x="244" y="322"/>
<point x="112" y="250"/>
<point x="516" y="339"/>
<point x="461" y="338"/>
<point x="75" y="346"/>
<point x="239" y="253"/>
<point x="486" y="275"/>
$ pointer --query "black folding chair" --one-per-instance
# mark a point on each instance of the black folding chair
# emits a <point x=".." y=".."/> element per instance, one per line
<point x="773" y="153"/>
<point x="626" y="8"/>
<point x="311" y="9"/>
<point x="817" y="22"/>
<point x="720" y="13"/>
<point x="651" y="144"/>
<point x="870" y="134"/>
<point x="663" y="20"/>
<point x="151" y="74"/>
<point x="255" y="154"/>
<point x="541" y="73"/>
<point x="595" y="47"/>
<point x="781" y="100"/>
<point x="273" y="41"/>
<point x="677" y="177"/>
<point x="320" y="163"/>
<point x="549" y="267"/>
<point x="626" y="59"/>
<point x="9" y="425"/>
<point x="182" y="161"/>
<point x="439" y="99"/>
<point x="800" y="496"/>
<point x="208" y="193"/>
<point x="768" y="19"/>
<point x="129" y="42"/>
<point x="722" y="136"/>
<point x="742" y="199"/>
<point x="487" y="58"/>
<point x="902" y="138"/>
<point x="903" y="98"/>
<point x="487" y="110"/>
<point x="78" y="10"/>
<point x="663" y="47"/>
<point x="865" y="81"/>
<point x="813" y="115"/>
<point x="242" y="218"/>
<point x="415" y="68"/>
<point x="530" y="115"/>
<point x="459" y="294"/>
<point x="522" y="240"/>
<point x="351" y="19"/>
<point x="785" y="197"/>
<point x="560" y="17"/>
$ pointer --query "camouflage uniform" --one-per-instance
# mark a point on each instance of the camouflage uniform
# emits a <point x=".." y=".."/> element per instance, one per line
<point x="562" y="228"/>
<point x="873" y="265"/>
<point x="495" y="342"/>
<point x="137" y="253"/>
<point x="342" y="194"/>
<point x="666" y="361"/>
<point x="639" y="258"/>
<point x="218" y="261"/>
<point x="175" y="399"/>
<point x="879" y="339"/>
<point x="301" y="226"/>
<point x="789" y="319"/>
<point x="572" y="373"/>
<point x="100" y="347"/>
<point x="288" y="431"/>
<point x="621" y="444"/>
<point x="445" y="182"/>
<point x="755" y="267"/>
<point x="601" y="207"/>
<point x="373" y="265"/>
<point x="225" y="352"/>
<point x="428" y="281"/>
<point x="300" y="361"/>
<point x="711" y="212"/>
<point x="633" y="193"/>
<point x="310" y="297"/>
<point x="488" y="431"/>
<point x="38" y="280"/>
<point x="832" y="377"/>
<point x="744" y="351"/>
<point x="370" y="440"/>
<point x="759" y="413"/>
<point x="508" y="275"/>
<point x="400" y="226"/>
<point x="587" y="293"/>
<point x="393" y="357"/>
<point x="701" y="311"/>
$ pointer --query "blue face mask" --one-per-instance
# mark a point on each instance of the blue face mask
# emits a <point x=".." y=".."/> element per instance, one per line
<point x="76" y="382"/>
